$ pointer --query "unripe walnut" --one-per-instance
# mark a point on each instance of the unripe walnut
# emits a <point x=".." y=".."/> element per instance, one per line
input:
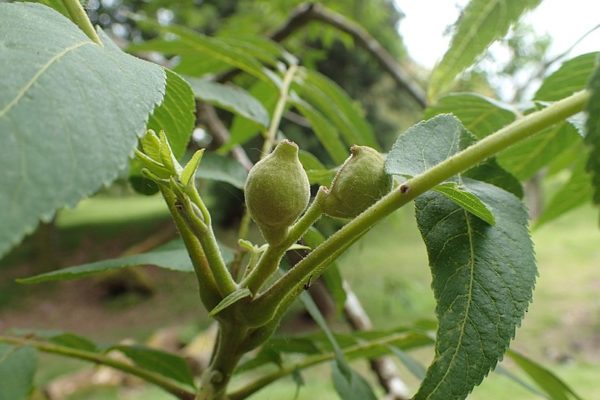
<point x="277" y="191"/>
<point x="359" y="183"/>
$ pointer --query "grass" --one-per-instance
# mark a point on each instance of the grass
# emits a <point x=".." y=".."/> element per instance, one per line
<point x="388" y="270"/>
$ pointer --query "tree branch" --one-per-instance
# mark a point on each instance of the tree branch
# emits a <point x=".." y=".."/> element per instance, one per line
<point x="351" y="352"/>
<point x="171" y="386"/>
<point x="289" y="286"/>
<point x="308" y="12"/>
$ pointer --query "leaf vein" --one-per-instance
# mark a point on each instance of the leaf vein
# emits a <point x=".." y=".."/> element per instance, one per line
<point x="38" y="74"/>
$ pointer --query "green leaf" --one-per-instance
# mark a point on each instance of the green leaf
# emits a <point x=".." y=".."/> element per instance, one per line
<point x="299" y="381"/>
<point x="483" y="278"/>
<point x="172" y="256"/>
<point x="575" y="192"/>
<point x="65" y="339"/>
<point x="221" y="168"/>
<point x="316" y="343"/>
<point x="347" y="382"/>
<point x="230" y="98"/>
<point x="479" y="114"/>
<point x="309" y="161"/>
<point x="165" y="257"/>
<point x="500" y="370"/>
<point x="331" y="100"/>
<point x="332" y="276"/>
<point x="90" y="104"/>
<point x="426" y="144"/>
<point x="259" y="47"/>
<point x="324" y="131"/>
<point x="189" y="171"/>
<point x="316" y="315"/>
<point x="74" y="341"/>
<point x="212" y="48"/>
<point x="244" y="129"/>
<point x="322" y="177"/>
<point x="432" y="141"/>
<point x="166" y="364"/>
<point x="55" y="4"/>
<point x="527" y="157"/>
<point x="229" y="300"/>
<point x="17" y="370"/>
<point x="349" y="385"/>
<point x="572" y="76"/>
<point x="461" y="196"/>
<point x="555" y="387"/>
<point x="191" y="62"/>
<point x="176" y="114"/>
<point x="410" y="363"/>
<point x="481" y="23"/>
<point x="489" y="171"/>
<point x="592" y="138"/>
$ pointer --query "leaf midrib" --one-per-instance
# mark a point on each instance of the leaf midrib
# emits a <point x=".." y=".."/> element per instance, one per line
<point x="469" y="301"/>
<point x="472" y="32"/>
<point x="38" y="74"/>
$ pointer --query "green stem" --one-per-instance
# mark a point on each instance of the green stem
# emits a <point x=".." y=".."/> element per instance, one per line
<point x="236" y="265"/>
<point x="78" y="15"/>
<point x="209" y="291"/>
<point x="171" y="386"/>
<point x="192" y="191"/>
<point x="291" y="284"/>
<point x="226" y="357"/>
<point x="203" y="231"/>
<point x="349" y="352"/>
<point x="279" y="108"/>
<point x="270" y="259"/>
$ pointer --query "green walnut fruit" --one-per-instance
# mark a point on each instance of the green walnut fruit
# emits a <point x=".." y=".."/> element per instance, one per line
<point x="359" y="183"/>
<point x="277" y="191"/>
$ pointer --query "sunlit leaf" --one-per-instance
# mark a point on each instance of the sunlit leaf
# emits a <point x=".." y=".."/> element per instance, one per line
<point x="577" y="191"/>
<point x="90" y="102"/>
<point x="324" y="130"/>
<point x="481" y="22"/>
<point x="461" y="196"/>
<point x="573" y="75"/>
<point x="479" y="114"/>
<point x="231" y="98"/>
